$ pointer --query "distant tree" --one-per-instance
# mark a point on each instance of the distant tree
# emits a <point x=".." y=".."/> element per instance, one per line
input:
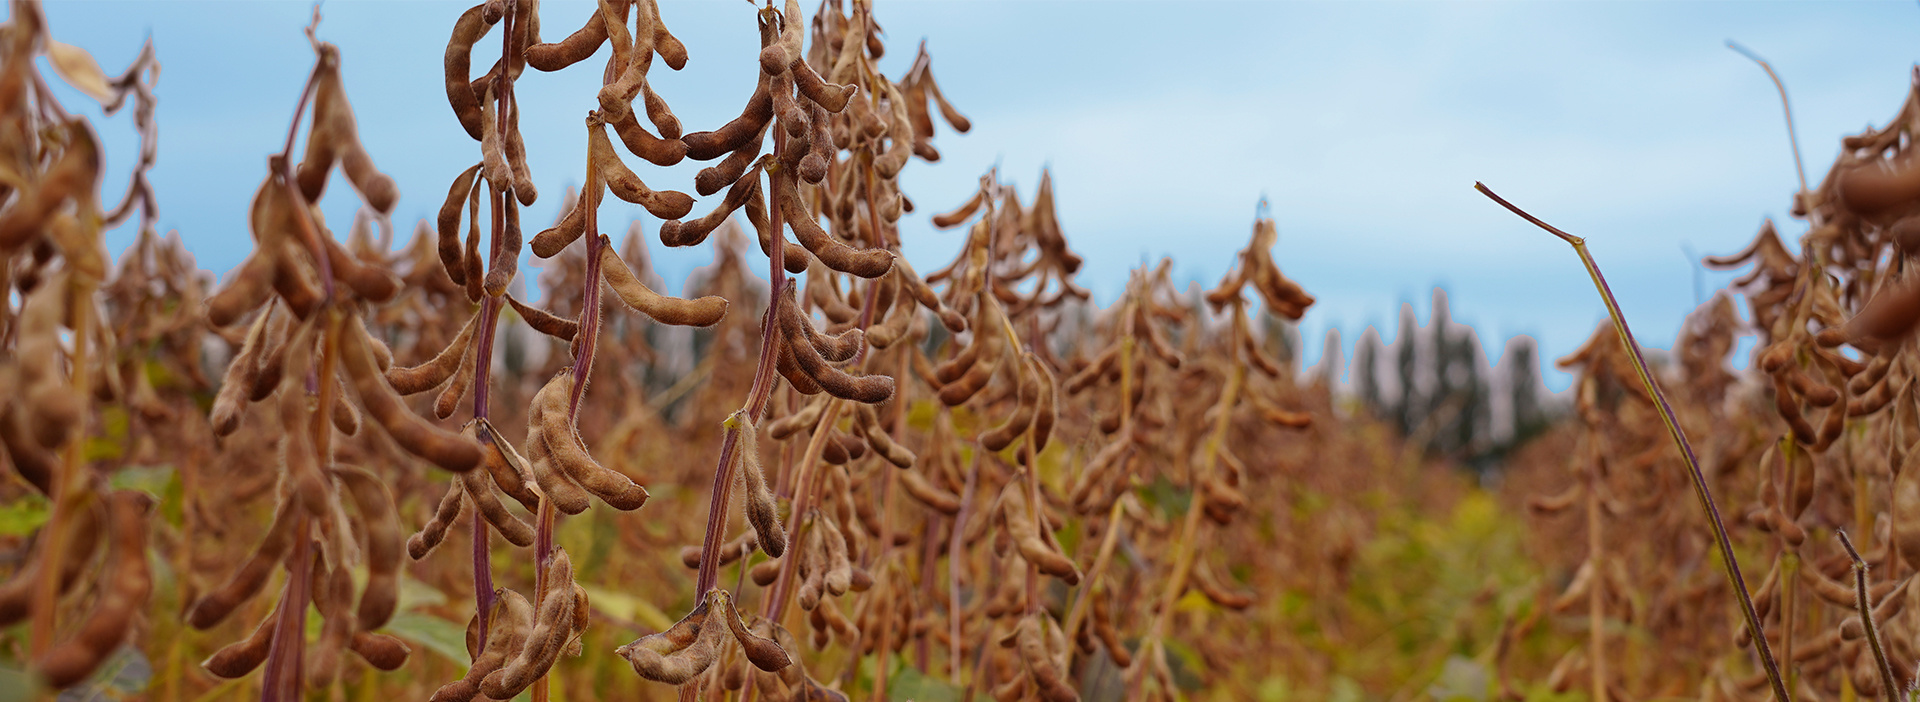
<point x="1521" y="368"/>
<point x="1364" y="373"/>
<point x="1407" y="407"/>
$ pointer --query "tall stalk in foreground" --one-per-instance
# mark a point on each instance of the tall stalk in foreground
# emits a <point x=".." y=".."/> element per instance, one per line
<point x="1700" y="489"/>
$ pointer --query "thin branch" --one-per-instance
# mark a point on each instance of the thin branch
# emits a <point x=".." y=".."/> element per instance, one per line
<point x="1700" y="489"/>
<point x="1792" y="140"/>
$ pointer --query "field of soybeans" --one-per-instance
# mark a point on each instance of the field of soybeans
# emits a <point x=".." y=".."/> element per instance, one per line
<point x="380" y="460"/>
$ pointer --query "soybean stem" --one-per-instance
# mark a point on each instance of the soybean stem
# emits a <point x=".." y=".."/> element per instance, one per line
<point x="1701" y="491"/>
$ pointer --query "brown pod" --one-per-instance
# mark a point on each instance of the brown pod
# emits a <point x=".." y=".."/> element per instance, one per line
<point x="563" y="445"/>
<point x="870" y="389"/>
<point x="813" y="565"/>
<point x="567" y="497"/>
<point x="424" y="541"/>
<point x="803" y="420"/>
<point x="508" y="467"/>
<point x="545" y="322"/>
<point x="550" y="241"/>
<point x="1048" y="406"/>
<point x="380" y="520"/>
<point x="764" y="653"/>
<point x="958" y="121"/>
<point x="1026" y="407"/>
<point x="332" y="593"/>
<point x="825" y="296"/>
<point x="552" y="628"/>
<point x="435" y="371"/>
<point x="1109" y="636"/>
<point x="833" y="451"/>
<point x="884" y="445"/>
<point x="449" y="398"/>
<point x="124" y="591"/>
<point x="656" y="150"/>
<point x="472" y="25"/>
<point x="790" y="369"/>
<point x="332" y="115"/>
<point x="76" y="172"/>
<point x="621" y="181"/>
<point x="579" y="45"/>
<point x="1890" y="314"/>
<point x="668" y="47"/>
<point x="864" y="263"/>
<point x="246" y="290"/>
<point x="470" y="260"/>
<point x="963" y="213"/>
<point x="832" y="98"/>
<point x="763" y="511"/>
<point x="1041" y="667"/>
<point x="701" y="312"/>
<point x="1202" y="579"/>
<point x="729" y="170"/>
<point x="730" y="551"/>
<point x="479" y="489"/>
<point x="752" y="122"/>
<point x="793" y="255"/>
<point x="681" y="652"/>
<point x="693" y="232"/>
<point x="839" y="567"/>
<point x="246" y="581"/>
<point x="506" y="254"/>
<point x="508" y="626"/>
<point x="1033" y="548"/>
<point x="820" y="150"/>
<point x="933" y="496"/>
<point x="240" y="657"/>
<point x="764" y="572"/>
<point x="444" y="448"/>
<point x="381" y="651"/>
<point x="899" y="134"/>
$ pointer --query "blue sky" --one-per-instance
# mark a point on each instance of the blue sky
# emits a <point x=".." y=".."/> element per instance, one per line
<point x="1365" y="124"/>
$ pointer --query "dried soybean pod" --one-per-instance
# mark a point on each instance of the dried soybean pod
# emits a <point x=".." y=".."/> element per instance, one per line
<point x="701" y="312"/>
<point x="543" y="321"/>
<point x="551" y="629"/>
<point x="678" y="654"/>
<point x="332" y="592"/>
<point x="621" y="181"/>
<point x="962" y="213"/>
<point x="899" y="133"/>
<point x="762" y="510"/>
<point x="381" y="651"/>
<point x="764" y="572"/>
<point x="870" y="389"/>
<point x="839" y="568"/>
<point x="246" y="581"/>
<point x="445" y="449"/>
<point x="820" y="150"/>
<point x="665" y="44"/>
<point x="124" y="591"/>
<point x="565" y="448"/>
<point x="241" y="657"/>
<point x="764" y="653"/>
<point x="690" y="233"/>
<point x="958" y="121"/>
<point x="509" y="624"/>
<point x="246" y="290"/>
<point x="508" y="467"/>
<point x="796" y="258"/>
<point x="448" y="225"/>
<point x="472" y="25"/>
<point x="1048" y="405"/>
<point x="865" y="263"/>
<point x="1043" y="669"/>
<point x="656" y="150"/>
<point x="550" y="241"/>
<point x="1890" y="314"/>
<point x="449" y="399"/>
<point x="753" y="119"/>
<point x="802" y="420"/>
<point x="579" y="45"/>
<point x="729" y="170"/>
<point x="1027" y="405"/>
<point x="1033" y="547"/>
<point x="813" y="565"/>
<point x="243" y="373"/>
<point x="381" y="522"/>
<point x="430" y="536"/>
<point x="918" y="288"/>
<point x="933" y="496"/>
<point x="1202" y="579"/>
<point x="554" y="485"/>
<point x="831" y="97"/>
<point x="435" y="372"/>
<point x="884" y="445"/>
<point x="332" y="113"/>
<point x="506" y="254"/>
<point x="480" y="491"/>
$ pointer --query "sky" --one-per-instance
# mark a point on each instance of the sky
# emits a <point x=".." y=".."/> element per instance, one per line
<point x="1364" y="124"/>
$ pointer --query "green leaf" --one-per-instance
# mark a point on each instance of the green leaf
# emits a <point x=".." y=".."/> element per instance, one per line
<point x="909" y="683"/>
<point x="24" y="515"/>
<point x="436" y="634"/>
